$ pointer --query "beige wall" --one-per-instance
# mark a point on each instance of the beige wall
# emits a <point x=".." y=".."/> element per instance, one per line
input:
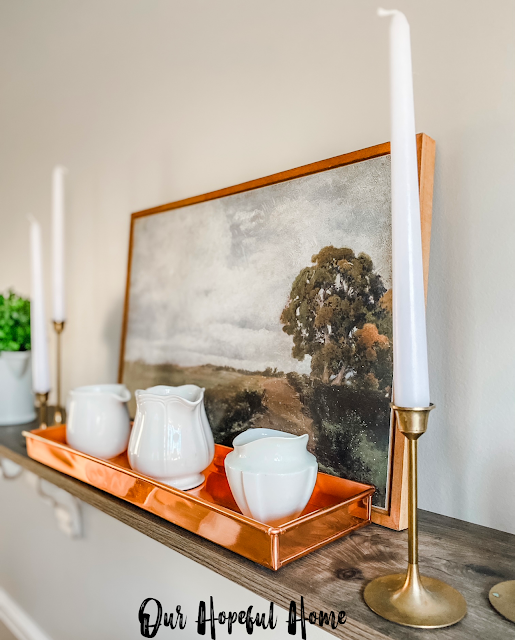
<point x="151" y="101"/>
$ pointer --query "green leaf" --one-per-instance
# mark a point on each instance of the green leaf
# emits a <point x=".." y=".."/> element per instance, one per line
<point x="14" y="322"/>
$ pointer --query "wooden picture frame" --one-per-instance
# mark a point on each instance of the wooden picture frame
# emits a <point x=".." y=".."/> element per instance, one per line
<point x="394" y="514"/>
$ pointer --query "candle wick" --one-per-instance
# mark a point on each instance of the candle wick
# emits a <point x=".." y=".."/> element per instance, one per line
<point x="383" y="13"/>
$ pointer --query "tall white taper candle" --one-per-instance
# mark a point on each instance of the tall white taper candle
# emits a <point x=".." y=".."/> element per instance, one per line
<point x="38" y="334"/>
<point x="58" y="308"/>
<point x="411" y="379"/>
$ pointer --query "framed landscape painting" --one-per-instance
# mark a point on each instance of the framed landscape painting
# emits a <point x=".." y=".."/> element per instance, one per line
<point x="275" y="295"/>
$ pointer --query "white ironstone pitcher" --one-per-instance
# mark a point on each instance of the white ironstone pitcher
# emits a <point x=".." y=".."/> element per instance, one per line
<point x="271" y="474"/>
<point x="171" y="440"/>
<point x="98" y="420"/>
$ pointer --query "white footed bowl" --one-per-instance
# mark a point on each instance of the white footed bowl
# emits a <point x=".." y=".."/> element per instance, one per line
<point x="271" y="474"/>
<point x="171" y="440"/>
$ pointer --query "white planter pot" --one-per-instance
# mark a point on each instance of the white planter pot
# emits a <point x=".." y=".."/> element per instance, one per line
<point x="16" y="397"/>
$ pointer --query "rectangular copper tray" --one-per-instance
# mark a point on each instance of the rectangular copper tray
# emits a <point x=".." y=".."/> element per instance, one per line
<point x="336" y="507"/>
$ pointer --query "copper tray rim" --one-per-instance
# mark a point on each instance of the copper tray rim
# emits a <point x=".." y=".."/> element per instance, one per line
<point x="35" y="434"/>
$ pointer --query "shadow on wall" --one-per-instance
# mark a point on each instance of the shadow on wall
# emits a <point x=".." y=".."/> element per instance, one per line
<point x="112" y="337"/>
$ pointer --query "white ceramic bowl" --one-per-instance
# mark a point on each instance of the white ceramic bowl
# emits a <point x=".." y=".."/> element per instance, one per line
<point x="271" y="474"/>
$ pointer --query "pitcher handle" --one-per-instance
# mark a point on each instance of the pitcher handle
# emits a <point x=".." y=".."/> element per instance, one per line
<point x="123" y="396"/>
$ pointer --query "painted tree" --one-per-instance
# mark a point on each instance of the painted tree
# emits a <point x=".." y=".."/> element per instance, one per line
<point x="334" y="313"/>
<point x="372" y="359"/>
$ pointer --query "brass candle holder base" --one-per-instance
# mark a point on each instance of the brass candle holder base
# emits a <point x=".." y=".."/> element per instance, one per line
<point x="58" y="411"/>
<point x="415" y="601"/>
<point x="42" y="405"/>
<point x="411" y="599"/>
<point x="502" y="599"/>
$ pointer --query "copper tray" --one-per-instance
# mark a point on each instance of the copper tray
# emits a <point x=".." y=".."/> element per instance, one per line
<point x="336" y="507"/>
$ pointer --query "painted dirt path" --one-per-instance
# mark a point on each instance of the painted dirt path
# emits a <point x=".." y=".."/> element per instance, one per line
<point x="284" y="409"/>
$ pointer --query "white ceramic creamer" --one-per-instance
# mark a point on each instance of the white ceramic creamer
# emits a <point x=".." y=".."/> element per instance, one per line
<point x="171" y="439"/>
<point x="98" y="420"/>
<point x="271" y="474"/>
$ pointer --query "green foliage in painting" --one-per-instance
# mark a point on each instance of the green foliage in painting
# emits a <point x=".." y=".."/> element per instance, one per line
<point x="14" y="323"/>
<point x="231" y="413"/>
<point x="348" y="443"/>
<point x="349" y="422"/>
<point x="339" y="313"/>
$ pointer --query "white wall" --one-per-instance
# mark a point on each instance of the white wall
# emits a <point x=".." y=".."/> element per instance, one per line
<point x="148" y="102"/>
<point x="94" y="587"/>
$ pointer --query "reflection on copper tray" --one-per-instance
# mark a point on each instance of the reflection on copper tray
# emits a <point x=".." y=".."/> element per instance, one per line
<point x="336" y="507"/>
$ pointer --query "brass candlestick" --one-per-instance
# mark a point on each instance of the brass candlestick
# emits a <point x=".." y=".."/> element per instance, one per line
<point x="502" y="599"/>
<point x="58" y="413"/>
<point x="42" y="404"/>
<point x="411" y="599"/>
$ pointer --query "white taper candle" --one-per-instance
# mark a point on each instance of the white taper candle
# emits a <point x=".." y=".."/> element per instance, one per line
<point x="58" y="307"/>
<point x="38" y="327"/>
<point x="411" y="379"/>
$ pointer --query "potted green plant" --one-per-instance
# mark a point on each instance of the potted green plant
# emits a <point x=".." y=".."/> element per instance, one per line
<point x="16" y="398"/>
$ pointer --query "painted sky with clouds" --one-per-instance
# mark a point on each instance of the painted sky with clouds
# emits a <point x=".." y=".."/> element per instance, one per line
<point x="209" y="281"/>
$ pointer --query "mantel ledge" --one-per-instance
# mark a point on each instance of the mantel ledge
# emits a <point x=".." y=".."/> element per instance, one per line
<point x="471" y="558"/>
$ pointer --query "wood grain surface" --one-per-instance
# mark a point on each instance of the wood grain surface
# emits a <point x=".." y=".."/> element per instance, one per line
<point x="469" y="557"/>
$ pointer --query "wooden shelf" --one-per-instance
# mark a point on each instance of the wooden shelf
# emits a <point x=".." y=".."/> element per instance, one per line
<point x="469" y="557"/>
